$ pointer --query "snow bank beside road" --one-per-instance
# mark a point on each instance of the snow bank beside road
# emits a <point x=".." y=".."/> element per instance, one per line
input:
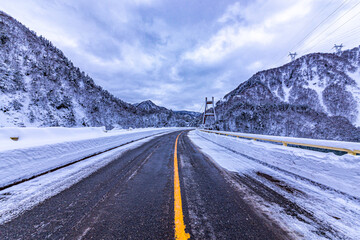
<point x="19" y="198"/>
<point x="339" y="172"/>
<point x="314" y="194"/>
<point x="353" y="146"/>
<point x="32" y="136"/>
<point x="41" y="149"/>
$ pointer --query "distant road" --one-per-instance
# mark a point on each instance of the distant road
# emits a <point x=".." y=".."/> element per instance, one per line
<point x="137" y="197"/>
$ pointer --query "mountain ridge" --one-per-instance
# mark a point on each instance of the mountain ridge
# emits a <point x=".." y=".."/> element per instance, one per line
<point x="149" y="106"/>
<point x="316" y="95"/>
<point x="40" y="86"/>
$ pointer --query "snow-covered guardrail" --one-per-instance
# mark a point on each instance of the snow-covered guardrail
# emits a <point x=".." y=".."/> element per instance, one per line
<point x="352" y="148"/>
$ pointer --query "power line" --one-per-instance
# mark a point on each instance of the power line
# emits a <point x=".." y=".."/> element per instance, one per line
<point x="280" y="55"/>
<point x="351" y="30"/>
<point x="318" y="35"/>
<point x="317" y="26"/>
<point x="342" y="38"/>
<point x="342" y="25"/>
<point x="347" y="36"/>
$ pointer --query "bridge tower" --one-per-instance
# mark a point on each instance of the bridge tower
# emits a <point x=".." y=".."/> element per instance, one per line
<point x="292" y="55"/>
<point x="207" y="112"/>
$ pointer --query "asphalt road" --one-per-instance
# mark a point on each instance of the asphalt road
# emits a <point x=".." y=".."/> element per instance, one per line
<point x="133" y="198"/>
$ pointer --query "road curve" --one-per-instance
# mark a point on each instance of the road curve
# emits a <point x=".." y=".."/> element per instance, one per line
<point x="133" y="198"/>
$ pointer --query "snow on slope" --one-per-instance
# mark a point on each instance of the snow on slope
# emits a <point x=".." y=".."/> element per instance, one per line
<point x="316" y="96"/>
<point x="324" y="185"/>
<point x="356" y="92"/>
<point x="41" y="87"/>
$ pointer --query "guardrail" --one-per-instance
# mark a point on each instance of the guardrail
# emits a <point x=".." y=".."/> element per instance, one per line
<point x="286" y="143"/>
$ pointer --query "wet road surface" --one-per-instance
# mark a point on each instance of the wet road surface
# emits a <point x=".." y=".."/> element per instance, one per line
<point x="133" y="198"/>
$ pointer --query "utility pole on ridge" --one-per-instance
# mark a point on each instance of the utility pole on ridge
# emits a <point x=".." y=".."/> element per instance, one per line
<point x="292" y="55"/>
<point x="338" y="48"/>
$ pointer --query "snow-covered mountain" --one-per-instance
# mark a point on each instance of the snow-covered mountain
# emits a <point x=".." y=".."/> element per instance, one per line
<point x="317" y="95"/>
<point x="39" y="86"/>
<point x="152" y="113"/>
<point x="149" y="107"/>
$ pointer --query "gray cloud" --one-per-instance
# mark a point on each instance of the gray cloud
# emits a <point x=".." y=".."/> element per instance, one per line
<point x="177" y="52"/>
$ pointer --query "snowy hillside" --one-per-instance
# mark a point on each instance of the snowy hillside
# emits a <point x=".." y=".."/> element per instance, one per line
<point x="152" y="114"/>
<point x="149" y="106"/>
<point x="317" y="95"/>
<point x="39" y="86"/>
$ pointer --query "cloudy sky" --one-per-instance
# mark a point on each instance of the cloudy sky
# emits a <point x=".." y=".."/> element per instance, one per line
<point x="176" y="52"/>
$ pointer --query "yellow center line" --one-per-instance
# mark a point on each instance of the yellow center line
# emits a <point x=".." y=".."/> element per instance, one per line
<point x="179" y="217"/>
